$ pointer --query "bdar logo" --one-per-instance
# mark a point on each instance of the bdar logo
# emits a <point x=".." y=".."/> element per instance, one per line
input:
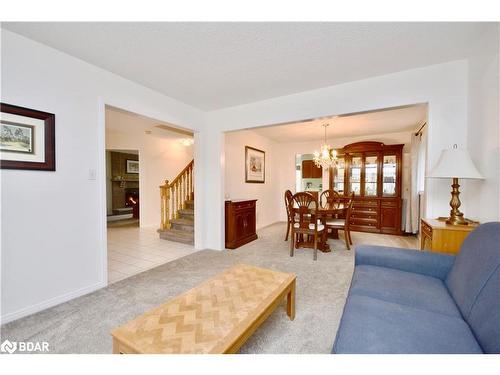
<point x="8" y="347"/>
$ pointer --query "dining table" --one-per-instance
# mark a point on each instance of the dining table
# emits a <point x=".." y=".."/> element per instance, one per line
<point x="328" y="211"/>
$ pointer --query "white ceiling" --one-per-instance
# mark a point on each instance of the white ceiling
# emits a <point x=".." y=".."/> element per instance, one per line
<point x="121" y="121"/>
<point x="216" y="65"/>
<point x="370" y="123"/>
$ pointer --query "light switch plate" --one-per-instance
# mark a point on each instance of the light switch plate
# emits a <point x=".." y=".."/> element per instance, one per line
<point x="92" y="174"/>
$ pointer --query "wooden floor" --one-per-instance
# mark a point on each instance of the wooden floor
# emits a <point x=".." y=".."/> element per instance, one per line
<point x="360" y="238"/>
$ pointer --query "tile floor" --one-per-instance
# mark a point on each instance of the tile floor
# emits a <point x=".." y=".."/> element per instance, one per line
<point x="132" y="250"/>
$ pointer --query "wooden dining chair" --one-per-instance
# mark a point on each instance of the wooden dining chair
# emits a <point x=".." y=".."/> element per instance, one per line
<point x="304" y="219"/>
<point x="329" y="198"/>
<point x="342" y="223"/>
<point x="288" y="200"/>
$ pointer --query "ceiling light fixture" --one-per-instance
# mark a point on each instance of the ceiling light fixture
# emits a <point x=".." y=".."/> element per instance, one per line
<point x="326" y="157"/>
<point x="187" y="141"/>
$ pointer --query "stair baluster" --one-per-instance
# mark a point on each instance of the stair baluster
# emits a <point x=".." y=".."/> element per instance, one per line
<point x="187" y="183"/>
<point x="183" y="190"/>
<point x="165" y="201"/>
<point x="174" y="197"/>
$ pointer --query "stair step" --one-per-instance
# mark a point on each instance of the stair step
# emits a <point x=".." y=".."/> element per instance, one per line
<point x="183" y="224"/>
<point x="177" y="236"/>
<point x="189" y="204"/>
<point x="186" y="214"/>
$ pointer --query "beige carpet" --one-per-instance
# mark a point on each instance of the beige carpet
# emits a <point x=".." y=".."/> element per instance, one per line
<point x="83" y="324"/>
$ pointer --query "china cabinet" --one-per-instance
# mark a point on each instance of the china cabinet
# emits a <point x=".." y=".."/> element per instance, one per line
<point x="372" y="170"/>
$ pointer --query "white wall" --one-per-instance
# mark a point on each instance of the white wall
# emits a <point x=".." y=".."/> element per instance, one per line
<point x="483" y="128"/>
<point x="51" y="246"/>
<point x="443" y="86"/>
<point x="161" y="157"/>
<point x="268" y="193"/>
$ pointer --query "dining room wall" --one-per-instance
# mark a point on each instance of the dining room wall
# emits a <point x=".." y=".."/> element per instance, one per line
<point x="280" y="168"/>
<point x="267" y="193"/>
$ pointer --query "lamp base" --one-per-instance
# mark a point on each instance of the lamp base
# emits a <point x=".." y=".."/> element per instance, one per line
<point x="457" y="220"/>
<point x="456" y="217"/>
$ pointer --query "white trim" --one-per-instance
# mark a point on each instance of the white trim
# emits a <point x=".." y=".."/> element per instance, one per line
<point x="49" y="303"/>
<point x="101" y="184"/>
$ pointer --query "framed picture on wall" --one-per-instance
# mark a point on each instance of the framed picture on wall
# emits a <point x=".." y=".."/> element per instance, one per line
<point x="255" y="165"/>
<point x="27" y="139"/>
<point x="132" y="166"/>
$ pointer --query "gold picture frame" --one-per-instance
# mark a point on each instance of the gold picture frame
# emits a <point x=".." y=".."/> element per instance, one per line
<point x="255" y="165"/>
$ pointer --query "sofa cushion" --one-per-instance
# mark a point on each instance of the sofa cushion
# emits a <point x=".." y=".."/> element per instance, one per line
<point x="484" y="317"/>
<point x="474" y="284"/>
<point x="371" y="325"/>
<point x="423" y="262"/>
<point x="404" y="288"/>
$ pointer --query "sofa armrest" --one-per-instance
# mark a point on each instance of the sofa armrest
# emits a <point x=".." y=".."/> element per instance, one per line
<point x="421" y="262"/>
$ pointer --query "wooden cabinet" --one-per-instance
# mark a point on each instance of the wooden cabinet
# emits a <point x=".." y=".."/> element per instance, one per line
<point x="240" y="223"/>
<point x="436" y="235"/>
<point x="372" y="170"/>
<point x="309" y="170"/>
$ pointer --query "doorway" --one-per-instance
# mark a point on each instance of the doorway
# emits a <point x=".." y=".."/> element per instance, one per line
<point x="122" y="188"/>
<point x="140" y="153"/>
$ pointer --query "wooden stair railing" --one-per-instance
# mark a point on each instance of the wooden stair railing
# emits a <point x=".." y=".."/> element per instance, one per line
<point x="175" y="194"/>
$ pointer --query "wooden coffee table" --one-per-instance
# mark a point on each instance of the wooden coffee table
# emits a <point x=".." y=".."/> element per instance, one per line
<point x="217" y="316"/>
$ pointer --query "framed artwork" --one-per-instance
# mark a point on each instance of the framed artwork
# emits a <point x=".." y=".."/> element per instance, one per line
<point x="27" y="139"/>
<point x="255" y="165"/>
<point x="132" y="166"/>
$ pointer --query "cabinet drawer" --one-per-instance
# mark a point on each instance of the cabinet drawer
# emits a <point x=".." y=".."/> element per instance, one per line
<point x="364" y="221"/>
<point x="364" y="214"/>
<point x="389" y="203"/>
<point x="426" y="230"/>
<point x="366" y="203"/>
<point x="244" y="205"/>
<point x="365" y="210"/>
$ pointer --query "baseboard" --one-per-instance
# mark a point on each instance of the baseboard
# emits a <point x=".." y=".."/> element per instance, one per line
<point x="10" y="317"/>
<point x="268" y="225"/>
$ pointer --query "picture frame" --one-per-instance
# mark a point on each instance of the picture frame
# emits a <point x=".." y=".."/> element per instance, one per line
<point x="132" y="166"/>
<point x="27" y="139"/>
<point x="255" y="165"/>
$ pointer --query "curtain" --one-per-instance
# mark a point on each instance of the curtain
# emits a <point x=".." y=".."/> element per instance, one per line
<point x="417" y="181"/>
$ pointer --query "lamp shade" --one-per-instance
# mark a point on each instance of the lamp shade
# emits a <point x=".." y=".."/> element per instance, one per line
<point x="455" y="163"/>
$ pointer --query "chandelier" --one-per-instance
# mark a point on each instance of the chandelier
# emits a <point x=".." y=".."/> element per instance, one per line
<point x="326" y="157"/>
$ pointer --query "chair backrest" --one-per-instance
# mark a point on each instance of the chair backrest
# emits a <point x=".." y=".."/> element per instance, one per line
<point x="348" y="212"/>
<point x="474" y="283"/>
<point x="288" y="200"/>
<point x="330" y="198"/>
<point x="303" y="209"/>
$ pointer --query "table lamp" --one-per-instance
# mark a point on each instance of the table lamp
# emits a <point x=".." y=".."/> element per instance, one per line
<point x="455" y="163"/>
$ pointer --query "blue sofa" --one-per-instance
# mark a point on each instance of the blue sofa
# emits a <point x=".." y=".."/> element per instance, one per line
<point x="407" y="301"/>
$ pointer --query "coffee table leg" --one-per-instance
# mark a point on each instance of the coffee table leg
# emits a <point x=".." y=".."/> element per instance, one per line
<point x="290" y="301"/>
<point x="116" y="349"/>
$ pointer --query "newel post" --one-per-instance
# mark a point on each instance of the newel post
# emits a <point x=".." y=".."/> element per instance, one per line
<point x="165" y="198"/>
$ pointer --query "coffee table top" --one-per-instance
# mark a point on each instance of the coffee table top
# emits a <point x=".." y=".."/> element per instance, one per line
<point x="208" y="318"/>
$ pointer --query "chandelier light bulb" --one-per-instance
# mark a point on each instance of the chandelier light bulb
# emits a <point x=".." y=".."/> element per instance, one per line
<point x="326" y="157"/>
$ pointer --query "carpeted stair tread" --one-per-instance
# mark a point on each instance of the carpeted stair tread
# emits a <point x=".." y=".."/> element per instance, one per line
<point x="177" y="236"/>
<point x="183" y="221"/>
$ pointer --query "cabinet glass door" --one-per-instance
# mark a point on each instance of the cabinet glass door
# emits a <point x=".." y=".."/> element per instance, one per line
<point x="338" y="178"/>
<point x="355" y="175"/>
<point x="371" y="173"/>
<point x="389" y="175"/>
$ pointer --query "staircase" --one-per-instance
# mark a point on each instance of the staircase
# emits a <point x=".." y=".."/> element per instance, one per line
<point x="177" y="207"/>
